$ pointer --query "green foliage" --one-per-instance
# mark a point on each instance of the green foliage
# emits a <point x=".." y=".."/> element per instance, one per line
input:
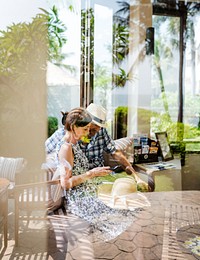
<point x="120" y="46"/>
<point x="25" y="47"/>
<point x="120" y="42"/>
<point x="52" y="125"/>
<point x="121" y="114"/>
<point x="56" y="35"/>
<point x="161" y="123"/>
<point x="144" y="117"/>
<point x="102" y="83"/>
<point x="22" y="47"/>
<point x="120" y="79"/>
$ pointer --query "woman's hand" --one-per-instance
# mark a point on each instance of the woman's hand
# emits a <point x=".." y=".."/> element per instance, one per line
<point x="99" y="172"/>
<point x="68" y="181"/>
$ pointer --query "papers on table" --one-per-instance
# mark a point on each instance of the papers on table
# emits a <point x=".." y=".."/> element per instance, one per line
<point x="158" y="166"/>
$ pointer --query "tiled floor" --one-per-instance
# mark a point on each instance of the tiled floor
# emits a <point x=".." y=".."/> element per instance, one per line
<point x="153" y="235"/>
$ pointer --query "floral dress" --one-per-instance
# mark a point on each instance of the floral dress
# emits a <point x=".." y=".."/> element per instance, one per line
<point x="106" y="222"/>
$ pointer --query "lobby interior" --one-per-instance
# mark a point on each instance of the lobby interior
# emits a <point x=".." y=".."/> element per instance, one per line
<point x="141" y="61"/>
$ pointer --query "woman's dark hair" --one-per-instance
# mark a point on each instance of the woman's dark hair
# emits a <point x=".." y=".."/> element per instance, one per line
<point x="78" y="117"/>
<point x="64" y="115"/>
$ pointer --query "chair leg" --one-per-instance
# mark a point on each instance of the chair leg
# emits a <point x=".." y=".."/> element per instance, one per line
<point x="62" y="207"/>
<point x="16" y="224"/>
<point x="151" y="183"/>
<point x="64" y="210"/>
<point x="55" y="212"/>
<point x="6" y="225"/>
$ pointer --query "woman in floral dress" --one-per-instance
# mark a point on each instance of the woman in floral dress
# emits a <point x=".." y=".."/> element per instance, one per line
<point x="80" y="184"/>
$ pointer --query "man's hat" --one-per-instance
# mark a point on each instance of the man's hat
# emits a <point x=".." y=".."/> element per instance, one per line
<point x="98" y="114"/>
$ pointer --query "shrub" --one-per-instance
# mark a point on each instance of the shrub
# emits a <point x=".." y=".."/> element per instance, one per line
<point x="52" y="125"/>
<point x="121" y="114"/>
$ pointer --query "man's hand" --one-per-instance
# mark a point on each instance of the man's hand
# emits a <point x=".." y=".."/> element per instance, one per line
<point x="142" y="186"/>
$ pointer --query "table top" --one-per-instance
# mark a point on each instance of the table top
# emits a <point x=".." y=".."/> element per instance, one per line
<point x="157" y="166"/>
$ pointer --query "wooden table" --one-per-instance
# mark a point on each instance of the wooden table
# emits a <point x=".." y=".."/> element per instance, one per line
<point x="166" y="179"/>
<point x="4" y="183"/>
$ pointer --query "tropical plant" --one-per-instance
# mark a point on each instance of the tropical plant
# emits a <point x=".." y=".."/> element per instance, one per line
<point x="120" y="47"/>
<point x="25" y="49"/>
<point x="24" y="46"/>
<point x="56" y="35"/>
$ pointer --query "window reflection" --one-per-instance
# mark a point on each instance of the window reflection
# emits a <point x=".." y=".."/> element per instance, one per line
<point x="122" y="77"/>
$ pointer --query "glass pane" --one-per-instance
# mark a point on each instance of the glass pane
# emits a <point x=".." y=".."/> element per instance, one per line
<point x="113" y="62"/>
<point x="141" y="89"/>
<point x="165" y="74"/>
<point x="23" y="49"/>
<point x="103" y="57"/>
<point x="120" y="63"/>
<point x="192" y="78"/>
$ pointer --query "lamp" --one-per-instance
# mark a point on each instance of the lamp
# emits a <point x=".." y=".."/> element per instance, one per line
<point x="149" y="40"/>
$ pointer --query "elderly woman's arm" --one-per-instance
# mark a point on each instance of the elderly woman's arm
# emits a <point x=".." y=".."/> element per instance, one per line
<point x="70" y="182"/>
<point x="67" y="180"/>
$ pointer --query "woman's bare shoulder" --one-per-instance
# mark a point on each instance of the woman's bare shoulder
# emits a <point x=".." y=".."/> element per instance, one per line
<point x="66" y="151"/>
<point x="66" y="146"/>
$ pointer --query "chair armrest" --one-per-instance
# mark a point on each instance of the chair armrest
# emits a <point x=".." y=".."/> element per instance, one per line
<point x="36" y="184"/>
<point x="41" y="195"/>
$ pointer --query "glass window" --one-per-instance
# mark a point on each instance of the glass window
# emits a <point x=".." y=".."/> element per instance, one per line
<point x="63" y="73"/>
<point x="165" y="73"/>
<point x="141" y="67"/>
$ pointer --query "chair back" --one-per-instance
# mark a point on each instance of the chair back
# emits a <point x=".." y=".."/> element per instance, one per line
<point x="34" y="201"/>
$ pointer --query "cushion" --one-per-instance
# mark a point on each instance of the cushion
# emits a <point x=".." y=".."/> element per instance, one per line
<point x="123" y="143"/>
<point x="9" y="167"/>
<point x="126" y="146"/>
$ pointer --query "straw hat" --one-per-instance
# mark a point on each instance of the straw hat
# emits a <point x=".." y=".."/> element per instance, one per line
<point x="98" y="114"/>
<point x="124" y="186"/>
<point x="124" y="195"/>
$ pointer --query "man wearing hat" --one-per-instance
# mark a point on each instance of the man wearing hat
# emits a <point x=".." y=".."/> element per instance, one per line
<point x="102" y="142"/>
<point x="99" y="139"/>
<point x="99" y="142"/>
